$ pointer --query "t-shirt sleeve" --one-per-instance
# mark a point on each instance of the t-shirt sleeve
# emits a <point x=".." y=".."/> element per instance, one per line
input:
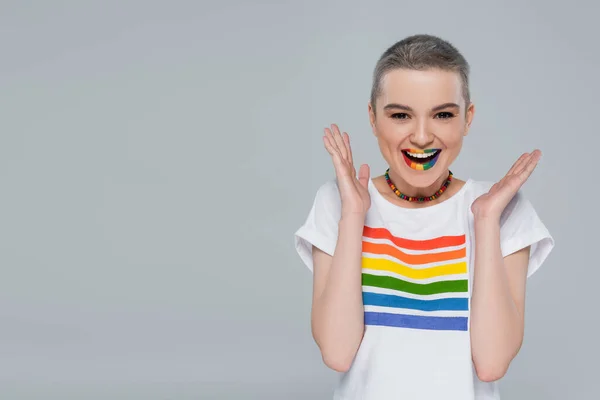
<point x="321" y="226"/>
<point x="520" y="226"/>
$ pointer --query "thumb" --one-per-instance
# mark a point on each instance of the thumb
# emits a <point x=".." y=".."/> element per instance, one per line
<point x="363" y="175"/>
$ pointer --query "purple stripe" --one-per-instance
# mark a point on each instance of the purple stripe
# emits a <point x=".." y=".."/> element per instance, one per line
<point x="416" y="321"/>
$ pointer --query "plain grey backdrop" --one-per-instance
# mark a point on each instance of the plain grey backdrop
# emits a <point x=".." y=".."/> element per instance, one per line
<point x="157" y="157"/>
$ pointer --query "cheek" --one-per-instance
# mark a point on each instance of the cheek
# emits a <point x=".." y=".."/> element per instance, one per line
<point x="391" y="133"/>
<point x="454" y="141"/>
<point x="452" y="135"/>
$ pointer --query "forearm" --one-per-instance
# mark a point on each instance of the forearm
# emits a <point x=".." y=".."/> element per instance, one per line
<point x="338" y="313"/>
<point x="496" y="323"/>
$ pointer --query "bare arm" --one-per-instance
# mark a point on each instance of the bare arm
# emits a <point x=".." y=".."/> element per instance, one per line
<point x="337" y="309"/>
<point x="498" y="298"/>
<point x="337" y="316"/>
<point x="498" y="303"/>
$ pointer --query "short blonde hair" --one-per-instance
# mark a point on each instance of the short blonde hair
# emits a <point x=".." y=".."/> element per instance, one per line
<point x="421" y="52"/>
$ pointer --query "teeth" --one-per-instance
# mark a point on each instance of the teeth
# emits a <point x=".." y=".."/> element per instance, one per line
<point x="421" y="155"/>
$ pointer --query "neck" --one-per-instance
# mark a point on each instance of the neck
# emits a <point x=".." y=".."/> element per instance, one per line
<point x="413" y="191"/>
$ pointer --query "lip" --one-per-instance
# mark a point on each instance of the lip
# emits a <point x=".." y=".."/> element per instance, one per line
<point x="417" y="165"/>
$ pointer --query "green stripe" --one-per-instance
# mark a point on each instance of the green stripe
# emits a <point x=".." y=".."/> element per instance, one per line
<point x="389" y="282"/>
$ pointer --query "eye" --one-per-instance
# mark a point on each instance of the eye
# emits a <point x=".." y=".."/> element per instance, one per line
<point x="444" y="115"/>
<point x="399" y="116"/>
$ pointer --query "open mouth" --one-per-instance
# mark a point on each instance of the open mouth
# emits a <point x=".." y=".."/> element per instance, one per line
<point x="421" y="160"/>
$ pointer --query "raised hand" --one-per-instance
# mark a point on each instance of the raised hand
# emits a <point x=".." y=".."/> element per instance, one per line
<point x="354" y="192"/>
<point x="493" y="203"/>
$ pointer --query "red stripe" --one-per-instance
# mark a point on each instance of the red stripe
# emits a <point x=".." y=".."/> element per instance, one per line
<point x="430" y="244"/>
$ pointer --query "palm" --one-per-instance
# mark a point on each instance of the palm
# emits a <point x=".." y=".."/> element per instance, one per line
<point x="493" y="203"/>
<point x="353" y="192"/>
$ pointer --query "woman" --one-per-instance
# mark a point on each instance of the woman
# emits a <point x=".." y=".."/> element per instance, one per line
<point x="419" y="277"/>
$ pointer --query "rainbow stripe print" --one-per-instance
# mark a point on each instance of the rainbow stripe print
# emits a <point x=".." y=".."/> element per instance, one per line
<point x="418" y="284"/>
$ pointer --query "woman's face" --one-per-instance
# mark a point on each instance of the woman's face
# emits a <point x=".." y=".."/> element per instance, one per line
<point x="420" y="122"/>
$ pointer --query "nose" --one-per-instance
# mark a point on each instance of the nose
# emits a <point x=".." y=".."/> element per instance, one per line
<point x="422" y="137"/>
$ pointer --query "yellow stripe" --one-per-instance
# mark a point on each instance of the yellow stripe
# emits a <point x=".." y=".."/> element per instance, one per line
<point x="432" y="272"/>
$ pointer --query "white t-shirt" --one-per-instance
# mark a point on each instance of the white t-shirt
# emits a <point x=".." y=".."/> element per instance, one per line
<point x="417" y="281"/>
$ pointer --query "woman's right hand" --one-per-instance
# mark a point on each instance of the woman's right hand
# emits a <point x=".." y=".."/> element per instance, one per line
<point x="354" y="192"/>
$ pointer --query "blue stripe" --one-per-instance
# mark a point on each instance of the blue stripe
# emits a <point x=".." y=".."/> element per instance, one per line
<point x="388" y="300"/>
<point x="416" y="321"/>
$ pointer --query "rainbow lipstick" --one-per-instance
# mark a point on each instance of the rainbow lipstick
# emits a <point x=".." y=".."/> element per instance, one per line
<point x="421" y="160"/>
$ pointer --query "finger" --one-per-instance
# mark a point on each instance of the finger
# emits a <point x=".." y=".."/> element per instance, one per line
<point x="331" y="146"/>
<point x="363" y="175"/>
<point x="330" y="142"/>
<point x="533" y="157"/>
<point x="331" y="139"/>
<point x="519" y="166"/>
<point x="336" y="158"/>
<point x="517" y="163"/>
<point x="525" y="171"/>
<point x="338" y="139"/>
<point x="348" y="148"/>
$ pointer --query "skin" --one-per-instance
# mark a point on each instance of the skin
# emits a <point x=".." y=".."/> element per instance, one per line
<point x="408" y="117"/>
<point x="420" y="109"/>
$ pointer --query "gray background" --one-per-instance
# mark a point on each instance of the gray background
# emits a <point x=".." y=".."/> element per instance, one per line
<point x="156" y="158"/>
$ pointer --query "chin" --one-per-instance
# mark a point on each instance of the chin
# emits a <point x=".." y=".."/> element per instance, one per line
<point x="422" y="179"/>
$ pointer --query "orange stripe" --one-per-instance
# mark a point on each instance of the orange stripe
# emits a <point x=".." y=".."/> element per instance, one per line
<point x="380" y="248"/>
<point x="430" y="244"/>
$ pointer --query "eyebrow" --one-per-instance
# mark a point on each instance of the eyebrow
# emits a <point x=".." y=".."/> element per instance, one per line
<point x="407" y="108"/>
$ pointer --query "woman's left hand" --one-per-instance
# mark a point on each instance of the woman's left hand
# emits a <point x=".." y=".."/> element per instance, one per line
<point x="493" y="203"/>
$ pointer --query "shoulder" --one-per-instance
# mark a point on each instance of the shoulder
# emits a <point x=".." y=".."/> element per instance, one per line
<point x="329" y="187"/>
<point x="327" y="200"/>
<point x="328" y="192"/>
<point x="477" y="188"/>
<point x="517" y="207"/>
<point x="473" y="189"/>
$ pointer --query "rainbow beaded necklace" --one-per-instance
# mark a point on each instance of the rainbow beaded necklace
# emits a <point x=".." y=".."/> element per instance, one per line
<point x="418" y="199"/>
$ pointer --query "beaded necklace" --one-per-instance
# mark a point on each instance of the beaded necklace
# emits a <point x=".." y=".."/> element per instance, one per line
<point x="418" y="199"/>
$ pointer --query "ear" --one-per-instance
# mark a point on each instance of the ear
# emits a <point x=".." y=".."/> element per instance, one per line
<point x="372" y="117"/>
<point x="469" y="118"/>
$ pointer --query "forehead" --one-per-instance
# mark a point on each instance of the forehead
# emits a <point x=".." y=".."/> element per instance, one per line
<point x="421" y="89"/>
